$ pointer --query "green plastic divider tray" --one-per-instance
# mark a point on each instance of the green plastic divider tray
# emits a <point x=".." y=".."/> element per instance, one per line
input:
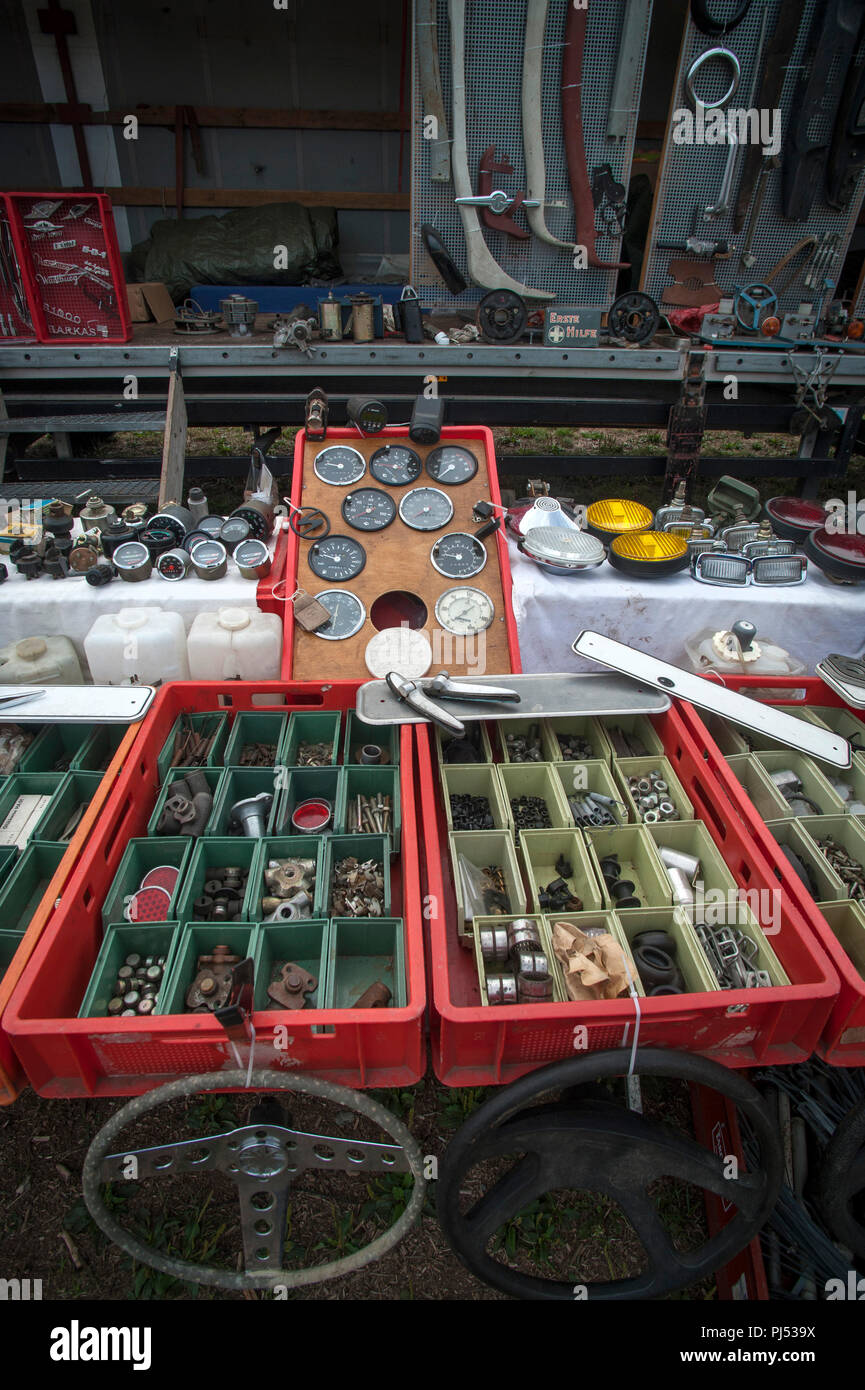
<point x="28" y="784"/>
<point x="199" y="939"/>
<point x="251" y="727"/>
<point x="638" y="861"/>
<point x="26" y="885"/>
<point x="121" y="940"/>
<point x="846" y="831"/>
<point x="56" y="748"/>
<point x="847" y="921"/>
<point x="289" y="847"/>
<point x="828" y="885"/>
<point x="755" y="780"/>
<point x="690" y="957"/>
<point x="138" y="858"/>
<point x="361" y="848"/>
<point x="476" y="736"/>
<point x="594" y="776"/>
<point x="593" y="923"/>
<point x="580" y="726"/>
<point x="9" y="943"/>
<point x="531" y="729"/>
<point x="624" y="768"/>
<point x="96" y="754"/>
<point x="304" y="944"/>
<point x="369" y="782"/>
<point x="200" y="724"/>
<point x="814" y="782"/>
<point x="76" y="792"/>
<point x="541" y="849"/>
<point x="8" y="856"/>
<point x="692" y="837"/>
<point x="213" y="777"/>
<point x="320" y="727"/>
<point x="304" y="784"/>
<point x="536" y="779"/>
<point x="634" y="726"/>
<point x="358" y="735"/>
<point x="482" y="849"/>
<point x="237" y="784"/>
<point x="496" y="968"/>
<point x="478" y="779"/>
<point x="213" y="852"/>
<point x="361" y="952"/>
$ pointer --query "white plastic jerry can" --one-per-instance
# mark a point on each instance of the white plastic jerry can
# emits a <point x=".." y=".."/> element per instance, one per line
<point x="142" y="645"/>
<point x="235" y="644"/>
<point x="40" y="660"/>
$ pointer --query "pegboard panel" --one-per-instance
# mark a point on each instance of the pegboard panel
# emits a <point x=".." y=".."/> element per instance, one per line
<point x="495" y="37"/>
<point x="67" y="249"/>
<point x="690" y="176"/>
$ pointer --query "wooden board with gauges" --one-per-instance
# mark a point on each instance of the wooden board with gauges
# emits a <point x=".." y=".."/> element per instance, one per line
<point x="401" y="553"/>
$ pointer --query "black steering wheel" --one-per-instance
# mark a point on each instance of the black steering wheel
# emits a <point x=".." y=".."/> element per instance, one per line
<point x="585" y="1143"/>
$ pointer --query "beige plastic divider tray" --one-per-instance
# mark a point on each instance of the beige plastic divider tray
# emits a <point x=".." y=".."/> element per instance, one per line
<point x="847" y="921"/>
<point x="692" y="837"/>
<point x="523" y="728"/>
<point x="539" y="852"/>
<point x="634" y="726"/>
<point x="593" y="922"/>
<point x="580" y="725"/>
<point x="483" y="848"/>
<point x="594" y="776"/>
<point x="848" y="725"/>
<point x="759" y="786"/>
<point x="690" y="957"/>
<point x="624" y="768"/>
<point x="814" y="783"/>
<point x="846" y="831"/>
<point x="475" y="733"/>
<point x="638" y="860"/>
<point x="727" y="736"/>
<point x="830" y="889"/>
<point x="479" y="923"/>
<point x="476" y="779"/>
<point x="536" y="779"/>
<point x="765" y="959"/>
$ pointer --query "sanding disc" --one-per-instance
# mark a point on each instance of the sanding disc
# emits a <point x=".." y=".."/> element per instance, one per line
<point x="399" y="649"/>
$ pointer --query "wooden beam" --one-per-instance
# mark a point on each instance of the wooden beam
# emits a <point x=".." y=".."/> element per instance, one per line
<point x="247" y="198"/>
<point x="173" y="444"/>
<point x="213" y="117"/>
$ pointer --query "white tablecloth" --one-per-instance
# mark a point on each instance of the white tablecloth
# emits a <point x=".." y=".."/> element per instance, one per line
<point x="656" y="616"/>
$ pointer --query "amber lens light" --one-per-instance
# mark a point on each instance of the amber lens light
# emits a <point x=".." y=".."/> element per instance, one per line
<point x="652" y="554"/>
<point x="616" y="516"/>
<point x="855" y="328"/>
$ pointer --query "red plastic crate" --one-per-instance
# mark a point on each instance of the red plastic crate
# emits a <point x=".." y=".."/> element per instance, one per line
<point x="67" y="1056"/>
<point x="16" y="320"/>
<point x="74" y="275"/>
<point x="843" y="1039"/>
<point x="477" y="1045"/>
<point x="479" y="432"/>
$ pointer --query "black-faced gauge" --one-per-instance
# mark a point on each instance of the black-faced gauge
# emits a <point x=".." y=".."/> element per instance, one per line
<point x="339" y="465"/>
<point x="174" y="564"/>
<point x="173" y="518"/>
<point x="450" y="465"/>
<point x="458" y="555"/>
<point x="233" y="530"/>
<point x="368" y="509"/>
<point x="367" y="413"/>
<point x="210" y="560"/>
<point x="194" y="538"/>
<point x="337" y="558"/>
<point x="426" y="509"/>
<point x="464" y="610"/>
<point x="158" y="539"/>
<point x="347" y="615"/>
<point x="132" y="561"/>
<point x="252" y="558"/>
<point x="258" y="515"/>
<point x="211" y="525"/>
<point x="395" y="465"/>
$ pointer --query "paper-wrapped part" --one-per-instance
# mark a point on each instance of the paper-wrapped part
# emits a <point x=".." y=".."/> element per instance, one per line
<point x="593" y="966"/>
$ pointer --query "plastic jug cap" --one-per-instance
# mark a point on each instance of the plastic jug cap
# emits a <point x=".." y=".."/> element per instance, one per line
<point x="31" y="648"/>
<point x="131" y="618"/>
<point x="233" y="619"/>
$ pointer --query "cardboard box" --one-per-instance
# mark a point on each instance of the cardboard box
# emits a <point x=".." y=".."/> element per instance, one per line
<point x="150" y="303"/>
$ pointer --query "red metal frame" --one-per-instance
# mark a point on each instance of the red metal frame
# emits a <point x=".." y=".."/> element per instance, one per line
<point x="63" y="1055"/>
<point x="479" y="432"/>
<point x="843" y="1040"/>
<point x="75" y="302"/>
<point x="476" y="1045"/>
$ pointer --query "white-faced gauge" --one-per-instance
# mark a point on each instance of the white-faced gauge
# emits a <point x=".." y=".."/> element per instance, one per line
<point x="458" y="555"/>
<point x="132" y="561"/>
<point x="347" y="614"/>
<point x="450" y="464"/>
<point x="368" y="509"/>
<point x="211" y="525"/>
<point x="339" y="465"/>
<point x="464" y="610"/>
<point x="426" y="509"/>
<point x="252" y="558"/>
<point x="336" y="558"/>
<point x="395" y="465"/>
<point x="210" y="560"/>
<point x="233" y="530"/>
